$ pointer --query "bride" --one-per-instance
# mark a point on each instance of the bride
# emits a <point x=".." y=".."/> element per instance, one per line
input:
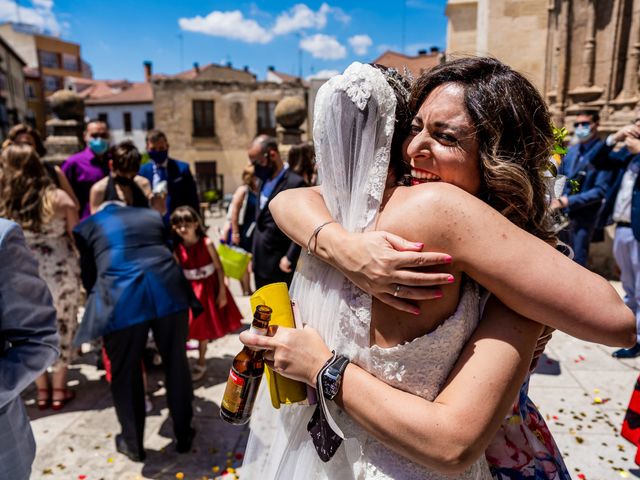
<point x="353" y="130"/>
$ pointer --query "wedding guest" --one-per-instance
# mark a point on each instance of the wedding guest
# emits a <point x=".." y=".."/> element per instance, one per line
<point x="586" y="186"/>
<point x="243" y="219"/>
<point x="28" y="345"/>
<point x="302" y="160"/>
<point x="47" y="216"/>
<point x="274" y="254"/>
<point x="85" y="168"/>
<point x="179" y="185"/>
<point x="134" y="286"/>
<point x="23" y="134"/>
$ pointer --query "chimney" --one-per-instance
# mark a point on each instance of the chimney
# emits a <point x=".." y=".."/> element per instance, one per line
<point x="148" y="71"/>
<point x="229" y="65"/>
<point x="196" y="67"/>
<point x="435" y="49"/>
<point x="245" y="68"/>
<point x="422" y="52"/>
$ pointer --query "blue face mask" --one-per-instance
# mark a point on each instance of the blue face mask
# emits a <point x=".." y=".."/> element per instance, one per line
<point x="583" y="132"/>
<point x="158" y="156"/>
<point x="98" y="145"/>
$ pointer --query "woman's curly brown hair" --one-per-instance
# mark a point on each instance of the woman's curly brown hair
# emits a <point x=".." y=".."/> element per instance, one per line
<point x="25" y="187"/>
<point x="514" y="135"/>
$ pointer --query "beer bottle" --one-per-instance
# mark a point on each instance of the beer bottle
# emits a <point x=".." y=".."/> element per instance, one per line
<point x="245" y="375"/>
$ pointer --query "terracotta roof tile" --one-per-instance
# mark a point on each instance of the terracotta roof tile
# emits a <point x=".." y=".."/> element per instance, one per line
<point x="416" y="65"/>
<point x="138" y="92"/>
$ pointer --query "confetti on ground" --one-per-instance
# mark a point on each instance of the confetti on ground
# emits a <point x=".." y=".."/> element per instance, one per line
<point x="179" y="475"/>
<point x="582" y="476"/>
<point x="47" y="471"/>
<point x="596" y="390"/>
<point x="215" y="469"/>
<point x="82" y="477"/>
<point x="110" y="460"/>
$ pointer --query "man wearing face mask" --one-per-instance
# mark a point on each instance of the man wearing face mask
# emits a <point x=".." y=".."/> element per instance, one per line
<point x="586" y="187"/>
<point x="90" y="165"/>
<point x="274" y="254"/>
<point x="169" y="177"/>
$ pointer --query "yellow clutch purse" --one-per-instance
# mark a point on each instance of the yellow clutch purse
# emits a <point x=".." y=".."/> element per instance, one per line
<point x="276" y="295"/>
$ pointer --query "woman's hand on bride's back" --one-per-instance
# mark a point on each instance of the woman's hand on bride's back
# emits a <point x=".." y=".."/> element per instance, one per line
<point x="386" y="266"/>
<point x="294" y="353"/>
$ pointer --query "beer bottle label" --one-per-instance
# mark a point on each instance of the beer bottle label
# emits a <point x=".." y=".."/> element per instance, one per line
<point x="232" y="399"/>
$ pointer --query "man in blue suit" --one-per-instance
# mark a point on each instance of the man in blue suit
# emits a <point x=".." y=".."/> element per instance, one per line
<point x="134" y="285"/>
<point x="28" y="345"/>
<point x="179" y="187"/>
<point x="624" y="208"/>
<point x="586" y="187"/>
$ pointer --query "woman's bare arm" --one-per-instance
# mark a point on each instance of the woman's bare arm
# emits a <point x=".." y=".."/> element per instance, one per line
<point x="528" y="275"/>
<point x="449" y="433"/>
<point x="383" y="260"/>
<point x="236" y="204"/>
<point x="66" y="186"/>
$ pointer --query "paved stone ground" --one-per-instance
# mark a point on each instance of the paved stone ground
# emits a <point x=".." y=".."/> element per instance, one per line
<point x="78" y="442"/>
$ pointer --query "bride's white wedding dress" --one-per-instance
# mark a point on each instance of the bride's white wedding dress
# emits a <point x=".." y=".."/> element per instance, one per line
<point x="353" y="126"/>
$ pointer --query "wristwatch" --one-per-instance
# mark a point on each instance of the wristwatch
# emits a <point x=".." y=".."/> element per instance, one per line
<point x="331" y="376"/>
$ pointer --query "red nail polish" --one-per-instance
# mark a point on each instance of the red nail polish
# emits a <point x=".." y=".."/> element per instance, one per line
<point x="450" y="279"/>
<point x="448" y="259"/>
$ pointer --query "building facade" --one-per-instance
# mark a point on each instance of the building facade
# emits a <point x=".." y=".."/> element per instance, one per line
<point x="13" y="105"/>
<point x="212" y="113"/>
<point x="579" y="53"/>
<point x="52" y="58"/>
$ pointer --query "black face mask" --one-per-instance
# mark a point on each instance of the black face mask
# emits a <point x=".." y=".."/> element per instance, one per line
<point x="264" y="173"/>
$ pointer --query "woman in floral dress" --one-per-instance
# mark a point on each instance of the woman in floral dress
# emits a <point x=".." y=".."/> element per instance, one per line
<point x="47" y="215"/>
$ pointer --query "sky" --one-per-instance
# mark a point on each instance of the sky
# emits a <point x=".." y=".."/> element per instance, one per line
<point x="312" y="37"/>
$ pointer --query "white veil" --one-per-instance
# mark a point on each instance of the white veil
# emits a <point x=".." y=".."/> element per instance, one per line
<point x="353" y="127"/>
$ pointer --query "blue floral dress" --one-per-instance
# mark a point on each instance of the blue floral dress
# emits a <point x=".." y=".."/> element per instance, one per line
<point x="523" y="448"/>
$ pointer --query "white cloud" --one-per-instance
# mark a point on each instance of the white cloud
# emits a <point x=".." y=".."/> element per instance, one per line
<point x="324" y="47"/>
<point x="231" y="25"/>
<point x="360" y="43"/>
<point x="234" y="25"/>
<point x="300" y="17"/>
<point x="323" y="74"/>
<point x="39" y="14"/>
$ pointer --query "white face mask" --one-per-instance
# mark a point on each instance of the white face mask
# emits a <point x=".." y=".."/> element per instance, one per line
<point x="583" y="132"/>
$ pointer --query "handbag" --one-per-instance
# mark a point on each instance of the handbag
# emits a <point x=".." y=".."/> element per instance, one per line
<point x="234" y="260"/>
<point x="281" y="389"/>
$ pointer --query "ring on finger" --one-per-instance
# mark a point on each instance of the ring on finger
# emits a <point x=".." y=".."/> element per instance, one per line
<point x="397" y="290"/>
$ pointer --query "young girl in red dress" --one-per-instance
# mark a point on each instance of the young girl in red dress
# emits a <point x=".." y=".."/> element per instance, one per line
<point x="201" y="265"/>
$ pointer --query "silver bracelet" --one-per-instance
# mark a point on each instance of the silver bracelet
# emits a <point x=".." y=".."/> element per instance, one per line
<point x="314" y="235"/>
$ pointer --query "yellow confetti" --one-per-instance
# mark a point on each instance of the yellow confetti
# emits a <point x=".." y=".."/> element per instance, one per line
<point x="229" y="463"/>
<point x="231" y="470"/>
<point x="596" y="390"/>
<point x="229" y="454"/>
<point x="624" y="473"/>
<point x="179" y="475"/>
<point x="597" y="400"/>
<point x="110" y="460"/>
<point x="216" y="469"/>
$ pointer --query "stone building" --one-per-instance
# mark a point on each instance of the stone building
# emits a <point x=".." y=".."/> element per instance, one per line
<point x="211" y="114"/>
<point x="579" y="53"/>
<point x="50" y="57"/>
<point x="127" y="107"/>
<point x="13" y="105"/>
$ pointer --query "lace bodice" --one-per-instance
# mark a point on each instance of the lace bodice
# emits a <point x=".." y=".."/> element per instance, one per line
<point x="419" y="367"/>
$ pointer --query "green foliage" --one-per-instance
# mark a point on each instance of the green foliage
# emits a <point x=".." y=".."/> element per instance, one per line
<point x="559" y="134"/>
<point x="575" y="186"/>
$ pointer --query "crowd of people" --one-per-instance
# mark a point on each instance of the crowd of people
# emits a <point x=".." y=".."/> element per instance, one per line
<point x="452" y="142"/>
<point x="133" y="236"/>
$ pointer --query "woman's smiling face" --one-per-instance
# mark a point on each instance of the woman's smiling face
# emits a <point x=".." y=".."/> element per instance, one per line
<point x="443" y="145"/>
